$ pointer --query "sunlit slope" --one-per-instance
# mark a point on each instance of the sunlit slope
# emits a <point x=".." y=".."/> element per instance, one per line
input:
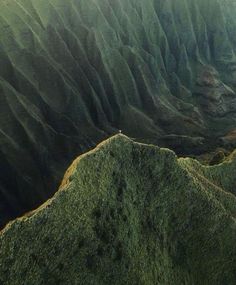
<point x="126" y="213"/>
<point x="73" y="72"/>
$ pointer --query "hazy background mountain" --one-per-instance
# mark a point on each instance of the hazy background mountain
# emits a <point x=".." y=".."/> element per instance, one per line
<point x="74" y="72"/>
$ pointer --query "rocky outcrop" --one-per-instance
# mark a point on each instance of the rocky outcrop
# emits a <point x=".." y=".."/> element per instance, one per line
<point x="74" y="72"/>
<point x="128" y="213"/>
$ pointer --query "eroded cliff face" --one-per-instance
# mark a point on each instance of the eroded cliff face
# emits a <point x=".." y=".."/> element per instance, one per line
<point x="74" y="72"/>
<point x="128" y="213"/>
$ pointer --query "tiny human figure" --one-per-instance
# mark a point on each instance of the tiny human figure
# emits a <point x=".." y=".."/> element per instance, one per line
<point x="120" y="131"/>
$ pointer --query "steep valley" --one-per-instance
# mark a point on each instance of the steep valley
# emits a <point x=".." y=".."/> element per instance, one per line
<point x="74" y="72"/>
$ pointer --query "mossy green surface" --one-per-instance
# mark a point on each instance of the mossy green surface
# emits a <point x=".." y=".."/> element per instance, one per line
<point x="128" y="213"/>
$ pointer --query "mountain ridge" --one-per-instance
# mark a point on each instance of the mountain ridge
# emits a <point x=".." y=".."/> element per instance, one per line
<point x="128" y="213"/>
<point x="76" y="72"/>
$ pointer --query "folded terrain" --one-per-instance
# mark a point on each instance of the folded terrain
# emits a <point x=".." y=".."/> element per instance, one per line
<point x="74" y="72"/>
<point x="128" y="213"/>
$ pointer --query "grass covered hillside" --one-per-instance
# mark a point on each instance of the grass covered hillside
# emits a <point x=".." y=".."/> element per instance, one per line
<point x="128" y="213"/>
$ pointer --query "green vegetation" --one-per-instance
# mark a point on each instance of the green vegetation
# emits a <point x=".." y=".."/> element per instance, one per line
<point x="128" y="213"/>
<point x="74" y="72"/>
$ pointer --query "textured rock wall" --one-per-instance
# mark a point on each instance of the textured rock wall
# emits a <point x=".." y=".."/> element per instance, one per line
<point x="73" y="72"/>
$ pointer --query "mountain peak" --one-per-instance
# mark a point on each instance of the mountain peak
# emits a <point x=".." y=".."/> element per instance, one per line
<point x="127" y="212"/>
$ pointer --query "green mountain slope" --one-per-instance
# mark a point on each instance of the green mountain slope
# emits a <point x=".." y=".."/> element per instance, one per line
<point x="74" y="72"/>
<point x="128" y="213"/>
